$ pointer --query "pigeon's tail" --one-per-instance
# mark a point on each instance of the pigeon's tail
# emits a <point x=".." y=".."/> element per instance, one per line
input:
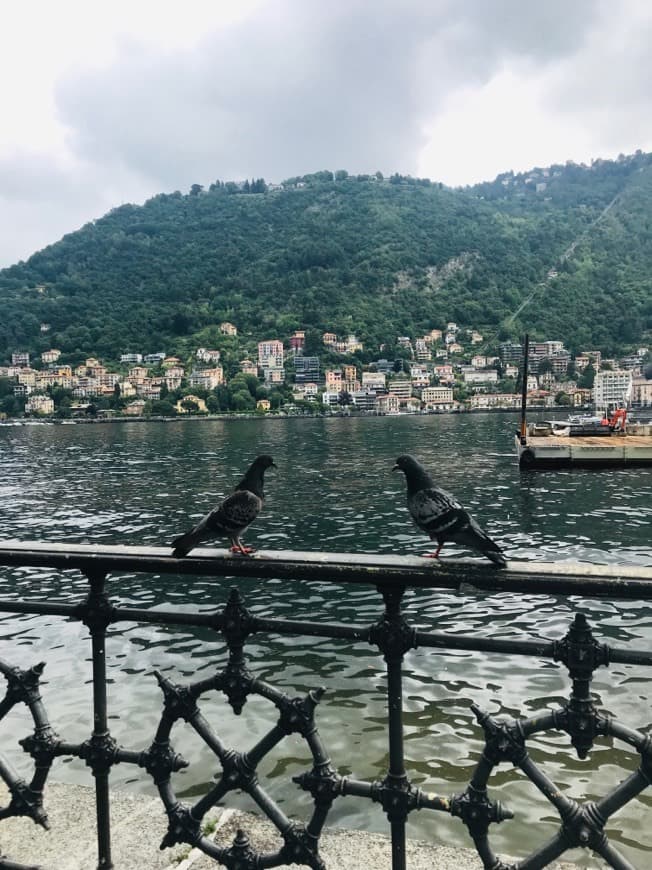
<point x="184" y="544"/>
<point x="496" y="556"/>
<point x="479" y="540"/>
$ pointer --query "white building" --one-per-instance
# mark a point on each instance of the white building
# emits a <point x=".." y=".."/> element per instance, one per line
<point x="611" y="387"/>
<point x="437" y="398"/>
<point x="39" y="404"/>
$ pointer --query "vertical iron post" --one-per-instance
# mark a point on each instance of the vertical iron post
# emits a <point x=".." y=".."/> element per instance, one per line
<point x="526" y="355"/>
<point x="394" y="638"/>
<point x="100" y="750"/>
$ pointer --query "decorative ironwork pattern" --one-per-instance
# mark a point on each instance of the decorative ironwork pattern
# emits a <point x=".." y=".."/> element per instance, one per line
<point x="505" y="740"/>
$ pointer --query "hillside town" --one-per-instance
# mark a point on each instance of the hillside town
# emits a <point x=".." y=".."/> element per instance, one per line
<point x="444" y="370"/>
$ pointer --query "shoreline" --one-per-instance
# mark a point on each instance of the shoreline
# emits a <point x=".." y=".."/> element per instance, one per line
<point x="53" y="421"/>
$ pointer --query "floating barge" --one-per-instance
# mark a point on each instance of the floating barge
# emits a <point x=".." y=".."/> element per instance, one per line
<point x="581" y="443"/>
<point x="568" y="451"/>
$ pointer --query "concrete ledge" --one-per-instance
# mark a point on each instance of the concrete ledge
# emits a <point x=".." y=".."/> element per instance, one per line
<point x="139" y="823"/>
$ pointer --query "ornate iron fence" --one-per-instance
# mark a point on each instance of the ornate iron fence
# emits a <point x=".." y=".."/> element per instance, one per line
<point x="581" y="824"/>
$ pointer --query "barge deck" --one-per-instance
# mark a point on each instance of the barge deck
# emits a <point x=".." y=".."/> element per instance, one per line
<point x="615" y="451"/>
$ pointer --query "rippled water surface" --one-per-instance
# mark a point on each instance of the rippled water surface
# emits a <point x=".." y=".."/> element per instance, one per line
<point x="134" y="483"/>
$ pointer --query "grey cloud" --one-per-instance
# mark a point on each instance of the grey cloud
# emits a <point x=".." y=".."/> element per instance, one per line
<point x="303" y="87"/>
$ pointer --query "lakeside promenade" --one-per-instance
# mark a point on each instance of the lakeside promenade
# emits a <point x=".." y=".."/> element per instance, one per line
<point x="139" y="824"/>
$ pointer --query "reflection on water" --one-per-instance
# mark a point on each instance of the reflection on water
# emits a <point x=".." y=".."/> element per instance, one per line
<point x="333" y="490"/>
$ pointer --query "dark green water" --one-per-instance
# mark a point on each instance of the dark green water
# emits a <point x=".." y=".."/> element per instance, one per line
<point x="333" y="490"/>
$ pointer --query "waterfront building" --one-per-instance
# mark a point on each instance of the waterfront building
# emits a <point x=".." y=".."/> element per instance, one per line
<point x="182" y="405"/>
<point x="364" y="400"/>
<point x="263" y="405"/>
<point x="612" y="387"/>
<point x="388" y="404"/>
<point x="39" y="404"/>
<point x="642" y="393"/>
<point x="485" y="401"/>
<point x="437" y="398"/>
<point x="330" y="398"/>
<point x="135" y="408"/>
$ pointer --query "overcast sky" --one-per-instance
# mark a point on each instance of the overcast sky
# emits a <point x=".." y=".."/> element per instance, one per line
<point x="110" y="102"/>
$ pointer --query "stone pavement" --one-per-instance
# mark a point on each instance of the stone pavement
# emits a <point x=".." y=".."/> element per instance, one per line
<point x="138" y="824"/>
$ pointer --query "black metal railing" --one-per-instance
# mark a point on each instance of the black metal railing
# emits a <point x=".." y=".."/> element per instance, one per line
<point x="581" y="824"/>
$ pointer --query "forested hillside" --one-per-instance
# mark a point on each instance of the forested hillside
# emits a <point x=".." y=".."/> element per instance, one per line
<point x="373" y="256"/>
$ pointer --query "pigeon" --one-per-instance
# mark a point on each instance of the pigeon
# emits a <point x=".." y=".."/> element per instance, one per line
<point x="441" y="516"/>
<point x="230" y="518"/>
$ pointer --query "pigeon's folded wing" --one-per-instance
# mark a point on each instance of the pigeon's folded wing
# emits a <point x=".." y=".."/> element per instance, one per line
<point x="235" y="513"/>
<point x="436" y="511"/>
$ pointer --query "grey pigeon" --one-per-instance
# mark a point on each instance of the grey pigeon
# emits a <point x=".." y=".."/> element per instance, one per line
<point x="441" y="516"/>
<point x="230" y="518"/>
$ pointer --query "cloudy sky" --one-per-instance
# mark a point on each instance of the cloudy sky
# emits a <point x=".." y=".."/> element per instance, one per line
<point x="110" y="102"/>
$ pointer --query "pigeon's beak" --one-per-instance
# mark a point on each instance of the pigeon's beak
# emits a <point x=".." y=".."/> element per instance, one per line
<point x="396" y="468"/>
<point x="273" y="465"/>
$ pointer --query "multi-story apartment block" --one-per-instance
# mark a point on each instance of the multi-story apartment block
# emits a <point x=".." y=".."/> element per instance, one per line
<point x="388" y="404"/>
<point x="127" y="389"/>
<point x="349" y="373"/>
<point x="274" y="375"/>
<point x="511" y="351"/>
<point x="437" y="398"/>
<point x="329" y="338"/>
<point x="209" y="379"/>
<point x="131" y="358"/>
<point x="137" y="374"/>
<point x="307" y="369"/>
<point x="270" y="354"/>
<point x="19" y="358"/>
<point x="455" y="348"/>
<point x="50" y="356"/>
<point x="400" y="387"/>
<point x="375" y="381"/>
<point x="330" y="398"/>
<point x="334" y="380"/>
<point x="642" y="393"/>
<point x="479" y="361"/>
<point x="612" y="388"/>
<point x="27" y="376"/>
<point x="39" y="404"/>
<point x="248" y="367"/>
<point x="364" y="400"/>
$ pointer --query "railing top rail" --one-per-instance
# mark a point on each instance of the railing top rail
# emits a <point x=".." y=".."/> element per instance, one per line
<point x="567" y="578"/>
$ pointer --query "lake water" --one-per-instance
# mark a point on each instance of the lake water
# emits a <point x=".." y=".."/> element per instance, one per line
<point x="131" y="483"/>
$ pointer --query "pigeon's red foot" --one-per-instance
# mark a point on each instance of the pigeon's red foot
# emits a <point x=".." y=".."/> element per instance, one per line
<point x="430" y="555"/>
<point x="242" y="551"/>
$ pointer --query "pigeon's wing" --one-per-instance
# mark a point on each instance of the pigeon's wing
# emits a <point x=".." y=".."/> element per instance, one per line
<point x="234" y="514"/>
<point x="437" y="512"/>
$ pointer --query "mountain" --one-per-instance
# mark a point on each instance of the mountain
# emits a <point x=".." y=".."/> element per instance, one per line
<point x="564" y="252"/>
